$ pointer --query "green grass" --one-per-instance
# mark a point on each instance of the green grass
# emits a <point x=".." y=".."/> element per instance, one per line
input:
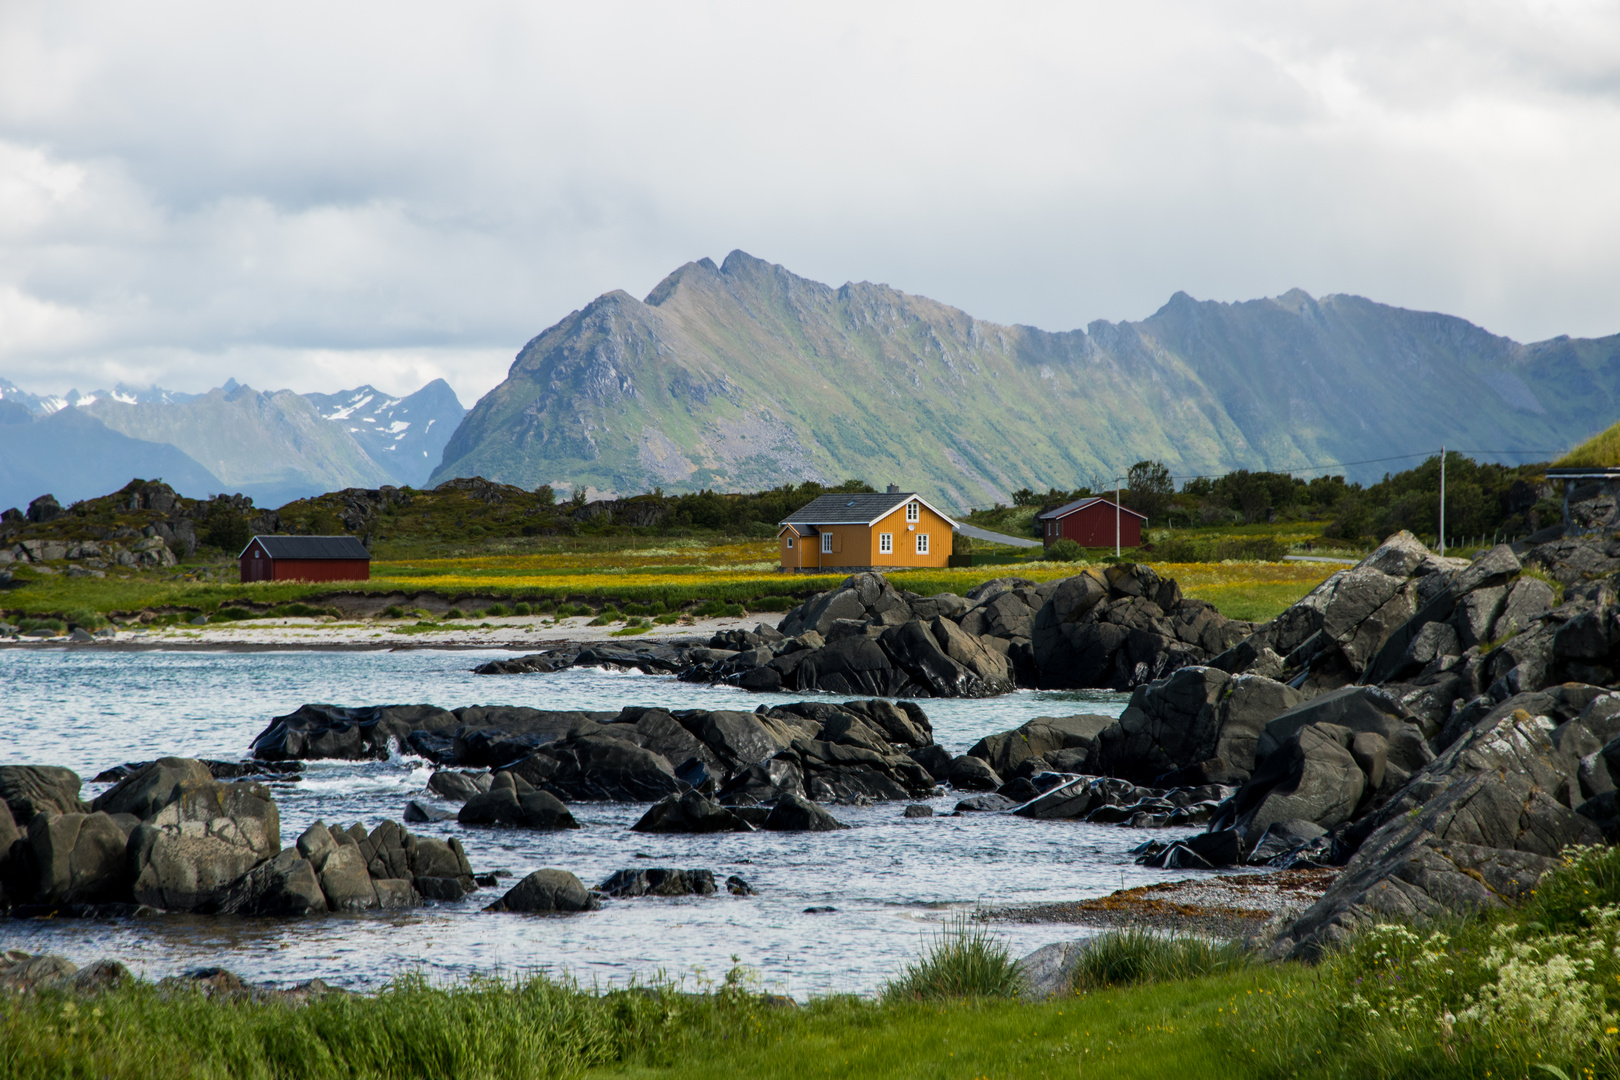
<point x="1601" y="450"/>
<point x="964" y="960"/>
<point x="1130" y="957"/>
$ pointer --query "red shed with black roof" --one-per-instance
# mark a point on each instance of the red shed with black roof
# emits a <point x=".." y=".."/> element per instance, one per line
<point x="1092" y="523"/>
<point x="305" y="558"/>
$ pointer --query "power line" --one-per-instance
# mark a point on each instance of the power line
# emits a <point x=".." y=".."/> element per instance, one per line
<point x="1365" y="461"/>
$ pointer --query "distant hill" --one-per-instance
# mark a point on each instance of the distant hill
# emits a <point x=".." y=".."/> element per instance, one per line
<point x="743" y="376"/>
<point x="72" y="455"/>
<point x="405" y="436"/>
<point x="275" y="446"/>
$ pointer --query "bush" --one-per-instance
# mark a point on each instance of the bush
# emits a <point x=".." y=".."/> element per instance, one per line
<point x="454" y="613"/>
<point x="1065" y="550"/>
<point x="25" y="626"/>
<point x="774" y="603"/>
<point x="568" y="611"/>
<point x="716" y="609"/>
<point x="393" y="611"/>
<point x="1236" y="548"/>
<point x="495" y="611"/>
<point x="964" y="960"/>
<point x="1127" y="957"/>
<point x="232" y="613"/>
<point x="86" y="618"/>
<point x="522" y="609"/>
<point x="609" y="614"/>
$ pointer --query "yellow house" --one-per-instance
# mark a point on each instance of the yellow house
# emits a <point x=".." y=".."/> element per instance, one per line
<point x="896" y="530"/>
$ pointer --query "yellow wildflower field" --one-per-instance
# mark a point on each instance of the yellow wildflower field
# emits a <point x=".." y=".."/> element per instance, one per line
<point x="747" y="571"/>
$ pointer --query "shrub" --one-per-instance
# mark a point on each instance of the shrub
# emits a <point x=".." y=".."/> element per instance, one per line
<point x="667" y="618"/>
<point x="1065" y="550"/>
<point x="522" y="609"/>
<point x="25" y="626"/>
<point x="964" y="960"/>
<point x="495" y="611"/>
<point x="1127" y="957"/>
<point x="86" y="618"/>
<point x="568" y="611"/>
<point x="454" y="613"/>
<point x="637" y="609"/>
<point x="774" y="603"/>
<point x="232" y="613"/>
<point x="1237" y="548"/>
<point x="609" y="614"/>
<point x="393" y="611"/>
<point x="716" y="609"/>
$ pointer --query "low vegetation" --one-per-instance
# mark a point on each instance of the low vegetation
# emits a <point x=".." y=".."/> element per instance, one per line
<point x="1601" y="450"/>
<point x="1533" y="992"/>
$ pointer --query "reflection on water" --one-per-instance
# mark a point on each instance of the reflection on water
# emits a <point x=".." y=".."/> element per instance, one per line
<point x="890" y="878"/>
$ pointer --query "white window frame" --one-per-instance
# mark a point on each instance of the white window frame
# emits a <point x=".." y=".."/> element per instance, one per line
<point x="913" y="511"/>
<point x="790" y="542"/>
<point x="922" y="543"/>
<point x="826" y="543"/>
<point x="885" y="543"/>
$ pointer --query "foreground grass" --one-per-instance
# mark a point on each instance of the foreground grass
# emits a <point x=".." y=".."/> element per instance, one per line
<point x="1527" y="993"/>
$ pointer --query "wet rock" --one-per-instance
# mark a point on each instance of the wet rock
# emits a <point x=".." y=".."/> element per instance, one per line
<point x="420" y="812"/>
<point x="195" y="847"/>
<point x="793" y="813"/>
<point x="990" y="804"/>
<point x="934" y="758"/>
<point x="918" y="810"/>
<point x="506" y="803"/>
<point x="458" y="786"/>
<point x="969" y="773"/>
<point x="286" y="885"/>
<point x="658" y="881"/>
<point x="153" y="786"/>
<point x="546" y="892"/>
<point x="689" y="813"/>
<point x="736" y="886"/>
<point x="77" y="859"/>
<point x="599" y="768"/>
<point x="1006" y="751"/>
<point x="29" y="789"/>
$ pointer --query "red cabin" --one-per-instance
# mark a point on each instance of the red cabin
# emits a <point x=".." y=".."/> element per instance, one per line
<point x="305" y="558"/>
<point x="1091" y="523"/>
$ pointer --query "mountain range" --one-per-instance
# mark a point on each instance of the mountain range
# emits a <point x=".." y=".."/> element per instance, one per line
<point x="744" y="375"/>
<point x="273" y="445"/>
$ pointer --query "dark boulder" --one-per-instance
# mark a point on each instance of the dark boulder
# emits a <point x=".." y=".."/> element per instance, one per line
<point x="599" y="768"/>
<point x="969" y="773"/>
<point x="153" y="786"/>
<point x="505" y="803"/>
<point x="689" y="813"/>
<point x="29" y="789"/>
<point x="285" y="885"/>
<point x="77" y="859"/>
<point x="458" y="786"/>
<point x="793" y="813"/>
<point x="658" y="881"/>
<point x="1006" y="751"/>
<point x="547" y="892"/>
<point x="189" y="853"/>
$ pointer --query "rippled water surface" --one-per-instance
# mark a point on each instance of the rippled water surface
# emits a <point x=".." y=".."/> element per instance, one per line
<point x="891" y="879"/>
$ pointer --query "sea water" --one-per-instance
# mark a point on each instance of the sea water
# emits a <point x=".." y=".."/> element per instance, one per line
<point x="892" y="880"/>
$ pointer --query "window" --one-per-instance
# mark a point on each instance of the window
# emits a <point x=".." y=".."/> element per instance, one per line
<point x="913" y="512"/>
<point x="922" y="543"/>
<point x="826" y="543"/>
<point x="790" y="542"/>
<point x="885" y="543"/>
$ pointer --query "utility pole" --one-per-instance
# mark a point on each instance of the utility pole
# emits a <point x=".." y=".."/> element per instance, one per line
<point x="1117" y="481"/>
<point x="1442" y="500"/>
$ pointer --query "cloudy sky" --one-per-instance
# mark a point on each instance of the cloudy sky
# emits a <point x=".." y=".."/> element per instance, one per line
<point x="316" y="195"/>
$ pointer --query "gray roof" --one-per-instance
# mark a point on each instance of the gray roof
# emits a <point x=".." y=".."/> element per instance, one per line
<point x="310" y="547"/>
<point x="1080" y="504"/>
<point x="852" y="509"/>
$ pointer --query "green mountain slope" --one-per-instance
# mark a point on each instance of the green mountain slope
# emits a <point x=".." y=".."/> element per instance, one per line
<point x="743" y="376"/>
<point x="273" y="446"/>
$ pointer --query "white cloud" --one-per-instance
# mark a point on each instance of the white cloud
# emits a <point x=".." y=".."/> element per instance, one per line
<point x="381" y="192"/>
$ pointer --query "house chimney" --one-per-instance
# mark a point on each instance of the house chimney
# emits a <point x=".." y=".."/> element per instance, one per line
<point x="894" y="489"/>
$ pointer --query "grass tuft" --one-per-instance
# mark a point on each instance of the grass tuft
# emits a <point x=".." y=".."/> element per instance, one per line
<point x="1129" y="957"/>
<point x="964" y="960"/>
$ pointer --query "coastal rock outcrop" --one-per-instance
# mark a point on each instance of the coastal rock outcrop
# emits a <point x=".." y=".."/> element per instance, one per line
<point x="547" y="892"/>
